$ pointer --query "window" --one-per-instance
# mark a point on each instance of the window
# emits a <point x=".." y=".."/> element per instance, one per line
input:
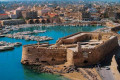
<point x="37" y="59"/>
<point x="85" y="61"/>
<point x="90" y="37"/>
<point x="44" y="61"/>
<point x="53" y="59"/>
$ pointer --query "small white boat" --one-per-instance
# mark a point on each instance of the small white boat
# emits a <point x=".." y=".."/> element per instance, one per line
<point x="2" y="35"/>
<point x="39" y="31"/>
<point x="3" y="48"/>
<point x="17" y="44"/>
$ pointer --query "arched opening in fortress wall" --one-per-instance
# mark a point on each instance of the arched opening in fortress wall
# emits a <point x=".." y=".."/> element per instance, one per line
<point x="31" y="21"/>
<point x="48" y="21"/>
<point x="43" y="21"/>
<point x="37" y="21"/>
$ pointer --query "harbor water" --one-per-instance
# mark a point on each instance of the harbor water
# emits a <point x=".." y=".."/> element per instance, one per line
<point x="12" y="69"/>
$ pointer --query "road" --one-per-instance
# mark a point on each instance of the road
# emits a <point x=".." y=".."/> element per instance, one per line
<point x="105" y="74"/>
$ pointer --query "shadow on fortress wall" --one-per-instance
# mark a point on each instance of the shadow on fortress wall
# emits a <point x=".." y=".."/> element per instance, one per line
<point x="108" y="59"/>
<point x="117" y="57"/>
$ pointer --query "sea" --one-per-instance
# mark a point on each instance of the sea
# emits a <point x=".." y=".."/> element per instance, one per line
<point x="10" y="65"/>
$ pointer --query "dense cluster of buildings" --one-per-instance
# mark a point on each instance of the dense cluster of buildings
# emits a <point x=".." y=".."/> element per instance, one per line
<point x="68" y="13"/>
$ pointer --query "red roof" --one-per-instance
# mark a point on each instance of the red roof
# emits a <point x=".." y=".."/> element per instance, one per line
<point x="3" y="14"/>
<point x="52" y="14"/>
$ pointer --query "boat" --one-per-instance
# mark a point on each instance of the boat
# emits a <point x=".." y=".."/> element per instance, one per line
<point x="17" y="44"/>
<point x="37" y="31"/>
<point x="9" y="47"/>
<point x="2" y="35"/>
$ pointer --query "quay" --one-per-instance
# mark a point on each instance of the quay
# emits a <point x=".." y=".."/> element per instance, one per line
<point x="7" y="28"/>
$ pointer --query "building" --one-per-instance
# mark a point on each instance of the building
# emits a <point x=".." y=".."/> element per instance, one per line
<point x="79" y="49"/>
<point x="12" y="22"/>
<point x="45" y="11"/>
<point x="86" y="16"/>
<point x="4" y="16"/>
<point x="18" y="12"/>
<point x="95" y="16"/>
<point x="74" y="15"/>
<point x="29" y="14"/>
<point x="13" y="16"/>
<point x="0" y="26"/>
<point x="2" y="11"/>
<point x="52" y="15"/>
<point x="117" y="15"/>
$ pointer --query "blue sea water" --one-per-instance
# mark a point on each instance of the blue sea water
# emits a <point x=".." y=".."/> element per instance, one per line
<point x="118" y="32"/>
<point x="12" y="69"/>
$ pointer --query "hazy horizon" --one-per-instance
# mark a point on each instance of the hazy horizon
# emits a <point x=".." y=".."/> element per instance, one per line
<point x="66" y="0"/>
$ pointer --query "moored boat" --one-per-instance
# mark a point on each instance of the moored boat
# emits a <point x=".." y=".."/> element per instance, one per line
<point x="3" y="48"/>
<point x="17" y="44"/>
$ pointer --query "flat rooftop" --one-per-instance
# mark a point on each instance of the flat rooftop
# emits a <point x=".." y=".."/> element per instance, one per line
<point x="74" y="36"/>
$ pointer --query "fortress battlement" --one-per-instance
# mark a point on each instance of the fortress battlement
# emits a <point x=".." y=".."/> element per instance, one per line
<point x="79" y="49"/>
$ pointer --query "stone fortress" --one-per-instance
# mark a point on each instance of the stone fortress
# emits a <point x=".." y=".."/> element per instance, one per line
<point x="79" y="49"/>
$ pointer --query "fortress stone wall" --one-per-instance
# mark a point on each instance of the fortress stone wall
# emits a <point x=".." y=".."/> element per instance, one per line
<point x="79" y="49"/>
<point x="49" y="56"/>
<point x="92" y="55"/>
